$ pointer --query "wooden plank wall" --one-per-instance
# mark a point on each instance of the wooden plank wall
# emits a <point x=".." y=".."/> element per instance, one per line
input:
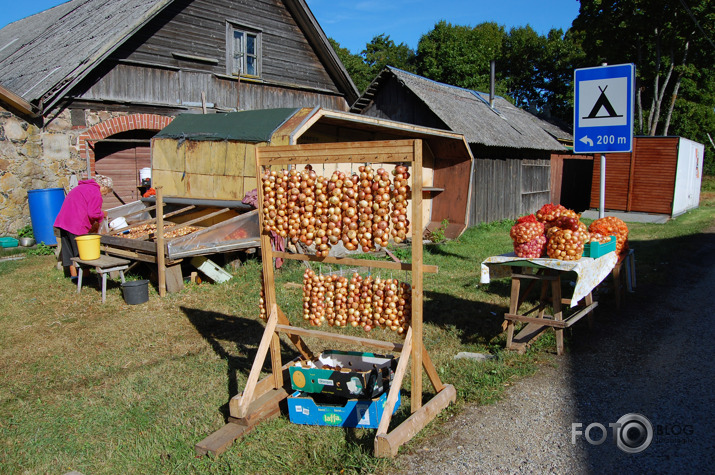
<point x="224" y="170"/>
<point x="292" y="75"/>
<point x="508" y="188"/>
<point x="642" y="181"/>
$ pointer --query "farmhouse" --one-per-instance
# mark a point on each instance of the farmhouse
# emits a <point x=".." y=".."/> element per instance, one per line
<point x="510" y="175"/>
<point x="86" y="84"/>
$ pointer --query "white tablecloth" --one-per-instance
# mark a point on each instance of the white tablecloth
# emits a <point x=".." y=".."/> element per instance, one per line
<point x="590" y="271"/>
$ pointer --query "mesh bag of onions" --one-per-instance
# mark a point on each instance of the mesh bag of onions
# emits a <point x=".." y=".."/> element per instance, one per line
<point x="602" y="228"/>
<point x="566" y="239"/>
<point x="528" y="237"/>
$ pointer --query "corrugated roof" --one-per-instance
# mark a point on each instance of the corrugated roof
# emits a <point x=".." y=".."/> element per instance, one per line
<point x="245" y="126"/>
<point x="467" y="112"/>
<point x="55" y="47"/>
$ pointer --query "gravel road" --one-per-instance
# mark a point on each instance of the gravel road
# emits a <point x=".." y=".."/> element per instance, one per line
<point x="654" y="357"/>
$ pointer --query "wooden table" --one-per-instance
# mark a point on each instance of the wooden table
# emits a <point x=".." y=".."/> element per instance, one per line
<point x="546" y="275"/>
<point x="104" y="265"/>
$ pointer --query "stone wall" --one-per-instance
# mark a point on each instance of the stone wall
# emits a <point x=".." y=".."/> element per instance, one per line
<point x="33" y="157"/>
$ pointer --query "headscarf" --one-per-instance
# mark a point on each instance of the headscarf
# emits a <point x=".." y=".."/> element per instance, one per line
<point x="104" y="181"/>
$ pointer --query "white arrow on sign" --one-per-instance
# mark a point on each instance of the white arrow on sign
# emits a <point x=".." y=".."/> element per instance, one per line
<point x="586" y="140"/>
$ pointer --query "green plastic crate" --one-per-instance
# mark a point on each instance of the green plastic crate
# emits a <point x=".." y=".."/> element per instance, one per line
<point x="595" y="249"/>
<point x="9" y="242"/>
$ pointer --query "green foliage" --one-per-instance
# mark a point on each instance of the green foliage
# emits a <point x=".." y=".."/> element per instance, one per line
<point x="460" y="55"/>
<point x="41" y="249"/>
<point x="25" y="231"/>
<point x="378" y="53"/>
<point x="355" y="65"/>
<point x="437" y="235"/>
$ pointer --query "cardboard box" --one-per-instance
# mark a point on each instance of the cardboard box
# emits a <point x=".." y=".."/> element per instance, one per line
<point x="595" y="249"/>
<point x="333" y="411"/>
<point x="359" y="374"/>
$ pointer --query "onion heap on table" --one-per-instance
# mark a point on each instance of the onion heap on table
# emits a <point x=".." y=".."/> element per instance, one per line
<point x="366" y="302"/>
<point x="602" y="228"/>
<point x="363" y="209"/>
<point x="528" y="237"/>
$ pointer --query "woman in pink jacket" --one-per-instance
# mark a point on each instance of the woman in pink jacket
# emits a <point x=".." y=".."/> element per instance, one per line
<point x="80" y="214"/>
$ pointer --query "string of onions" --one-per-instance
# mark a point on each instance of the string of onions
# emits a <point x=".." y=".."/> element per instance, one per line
<point x="363" y="209"/>
<point x="366" y="302"/>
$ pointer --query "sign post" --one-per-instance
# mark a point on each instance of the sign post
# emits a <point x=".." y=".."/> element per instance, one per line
<point x="603" y="114"/>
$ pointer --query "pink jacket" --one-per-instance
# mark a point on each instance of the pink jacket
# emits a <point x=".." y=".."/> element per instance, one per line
<point x="82" y="207"/>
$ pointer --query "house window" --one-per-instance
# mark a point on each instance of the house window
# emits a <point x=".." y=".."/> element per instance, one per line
<point x="243" y="51"/>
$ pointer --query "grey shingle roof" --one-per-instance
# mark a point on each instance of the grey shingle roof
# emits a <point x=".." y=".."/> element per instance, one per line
<point x="44" y="53"/>
<point x="55" y="47"/>
<point x="467" y="112"/>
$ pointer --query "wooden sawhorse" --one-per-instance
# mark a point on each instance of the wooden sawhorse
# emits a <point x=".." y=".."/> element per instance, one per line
<point x="104" y="265"/>
<point x="550" y="280"/>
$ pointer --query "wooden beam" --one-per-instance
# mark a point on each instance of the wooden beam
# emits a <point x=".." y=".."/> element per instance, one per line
<point x="396" y="384"/>
<point x="161" y="269"/>
<point x="417" y="277"/>
<point x="347" y="261"/>
<point x="387" y="445"/>
<point x="18" y="103"/>
<point x="386" y="151"/>
<point x="383" y="345"/>
<point x="241" y="409"/>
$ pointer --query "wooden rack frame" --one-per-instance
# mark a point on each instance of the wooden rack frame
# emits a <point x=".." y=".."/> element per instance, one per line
<point x="260" y="399"/>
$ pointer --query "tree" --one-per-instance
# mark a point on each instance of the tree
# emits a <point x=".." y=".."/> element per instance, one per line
<point x="460" y="55"/>
<point x="382" y="51"/>
<point x="360" y="72"/>
<point x="657" y="36"/>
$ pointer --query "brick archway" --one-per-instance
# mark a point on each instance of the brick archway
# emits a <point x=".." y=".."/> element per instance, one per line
<point x="119" y="124"/>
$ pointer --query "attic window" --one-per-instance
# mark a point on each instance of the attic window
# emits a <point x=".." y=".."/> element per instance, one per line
<point x="243" y="51"/>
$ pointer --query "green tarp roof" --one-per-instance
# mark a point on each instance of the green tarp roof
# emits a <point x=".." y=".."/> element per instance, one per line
<point x="245" y="126"/>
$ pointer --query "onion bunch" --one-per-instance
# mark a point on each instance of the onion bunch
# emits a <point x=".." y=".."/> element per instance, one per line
<point x="381" y="207"/>
<point x="610" y="225"/>
<point x="365" y="211"/>
<point x="400" y="193"/>
<point x="350" y="212"/>
<point x="564" y="244"/>
<point x="359" y="301"/>
<point x="532" y="249"/>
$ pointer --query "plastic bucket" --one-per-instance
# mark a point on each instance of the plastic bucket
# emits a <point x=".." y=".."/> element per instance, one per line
<point x="118" y="223"/>
<point x="145" y="174"/>
<point x="88" y="246"/>
<point x="136" y="291"/>
<point x="44" y="207"/>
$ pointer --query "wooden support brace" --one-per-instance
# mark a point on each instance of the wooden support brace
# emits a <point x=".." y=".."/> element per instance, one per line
<point x="396" y="384"/>
<point x="386" y="445"/>
<point x="239" y="410"/>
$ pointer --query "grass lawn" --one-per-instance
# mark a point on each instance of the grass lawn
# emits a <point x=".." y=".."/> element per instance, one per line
<point x="116" y="388"/>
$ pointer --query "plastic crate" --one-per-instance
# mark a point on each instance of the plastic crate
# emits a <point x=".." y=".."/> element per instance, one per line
<point x="8" y="242"/>
<point x="596" y="249"/>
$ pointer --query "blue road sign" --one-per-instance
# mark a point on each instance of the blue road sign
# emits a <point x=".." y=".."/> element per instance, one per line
<point x="603" y="109"/>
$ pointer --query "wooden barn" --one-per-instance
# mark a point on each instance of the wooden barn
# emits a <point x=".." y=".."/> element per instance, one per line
<point x="213" y="156"/>
<point x="86" y="84"/>
<point x="510" y="174"/>
<point x="662" y="175"/>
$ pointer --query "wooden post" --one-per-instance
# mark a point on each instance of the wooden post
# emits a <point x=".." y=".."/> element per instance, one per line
<point x="161" y="268"/>
<point x="417" y="344"/>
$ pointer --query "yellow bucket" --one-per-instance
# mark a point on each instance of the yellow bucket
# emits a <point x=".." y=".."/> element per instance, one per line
<point x="88" y="246"/>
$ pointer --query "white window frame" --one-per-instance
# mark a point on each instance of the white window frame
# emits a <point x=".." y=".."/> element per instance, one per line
<point x="235" y="31"/>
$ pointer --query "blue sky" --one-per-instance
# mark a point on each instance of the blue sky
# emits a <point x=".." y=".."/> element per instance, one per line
<point x="353" y="23"/>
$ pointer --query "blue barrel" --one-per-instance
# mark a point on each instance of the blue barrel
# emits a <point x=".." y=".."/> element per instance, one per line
<point x="44" y="207"/>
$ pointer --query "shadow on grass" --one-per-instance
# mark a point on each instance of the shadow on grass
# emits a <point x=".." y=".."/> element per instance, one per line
<point x="438" y="250"/>
<point x="222" y="332"/>
<point x="477" y="322"/>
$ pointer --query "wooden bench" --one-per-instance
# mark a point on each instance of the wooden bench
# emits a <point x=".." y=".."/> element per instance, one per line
<point x="104" y="265"/>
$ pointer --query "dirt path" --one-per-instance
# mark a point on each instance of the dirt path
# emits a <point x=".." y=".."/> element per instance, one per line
<point x="653" y="357"/>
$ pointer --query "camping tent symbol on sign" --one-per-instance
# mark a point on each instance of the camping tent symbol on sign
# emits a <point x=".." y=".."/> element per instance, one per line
<point x="603" y="102"/>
